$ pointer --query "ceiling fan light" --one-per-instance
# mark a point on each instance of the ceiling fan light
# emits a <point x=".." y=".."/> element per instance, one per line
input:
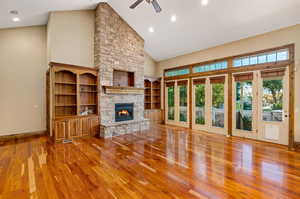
<point x="15" y="19"/>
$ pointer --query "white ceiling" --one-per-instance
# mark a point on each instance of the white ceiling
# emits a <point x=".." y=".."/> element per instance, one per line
<point x="197" y="27"/>
<point x="35" y="12"/>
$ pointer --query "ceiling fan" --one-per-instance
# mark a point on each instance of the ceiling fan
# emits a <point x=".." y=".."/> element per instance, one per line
<point x="153" y="2"/>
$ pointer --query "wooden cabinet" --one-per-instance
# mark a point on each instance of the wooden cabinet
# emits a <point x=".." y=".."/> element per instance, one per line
<point x="85" y="126"/>
<point x="74" y="130"/>
<point x="95" y="126"/>
<point x="154" y="115"/>
<point x="72" y="101"/>
<point x="61" y="130"/>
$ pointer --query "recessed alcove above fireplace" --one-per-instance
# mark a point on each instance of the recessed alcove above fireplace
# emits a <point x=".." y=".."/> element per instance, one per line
<point x="123" y="78"/>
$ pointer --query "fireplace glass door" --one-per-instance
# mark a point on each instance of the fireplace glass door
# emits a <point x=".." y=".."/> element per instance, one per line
<point x="124" y="112"/>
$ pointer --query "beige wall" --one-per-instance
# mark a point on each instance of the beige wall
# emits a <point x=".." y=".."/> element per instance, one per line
<point x="269" y="40"/>
<point x="71" y="37"/>
<point x="22" y="80"/>
<point x="150" y="66"/>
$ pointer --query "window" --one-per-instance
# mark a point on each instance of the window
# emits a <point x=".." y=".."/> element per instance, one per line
<point x="218" y="105"/>
<point x="272" y="99"/>
<point x="177" y="72"/>
<point x="171" y="103"/>
<point x="279" y="55"/>
<point x="210" y="67"/>
<point x="183" y="103"/>
<point x="200" y="104"/>
<point x="244" y="105"/>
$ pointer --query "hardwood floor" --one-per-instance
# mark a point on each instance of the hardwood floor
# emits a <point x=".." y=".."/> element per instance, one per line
<point x="163" y="163"/>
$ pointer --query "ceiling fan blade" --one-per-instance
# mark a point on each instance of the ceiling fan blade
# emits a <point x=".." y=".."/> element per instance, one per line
<point x="136" y="4"/>
<point x="156" y="6"/>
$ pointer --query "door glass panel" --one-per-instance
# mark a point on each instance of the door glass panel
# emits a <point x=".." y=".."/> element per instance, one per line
<point x="200" y="103"/>
<point x="171" y="103"/>
<point x="272" y="100"/>
<point x="218" y="105"/>
<point x="183" y="103"/>
<point x="244" y="105"/>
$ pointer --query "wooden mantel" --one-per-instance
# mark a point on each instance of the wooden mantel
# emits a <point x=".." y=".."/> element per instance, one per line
<point x="123" y="90"/>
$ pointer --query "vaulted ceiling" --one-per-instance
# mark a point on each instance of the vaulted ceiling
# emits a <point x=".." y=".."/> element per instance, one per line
<point x="197" y="27"/>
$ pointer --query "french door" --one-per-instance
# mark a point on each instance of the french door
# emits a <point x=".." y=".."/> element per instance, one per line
<point x="260" y="108"/>
<point x="210" y="104"/>
<point x="177" y="103"/>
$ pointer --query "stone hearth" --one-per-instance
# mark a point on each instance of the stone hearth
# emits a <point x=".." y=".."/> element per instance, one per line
<point x="118" y="47"/>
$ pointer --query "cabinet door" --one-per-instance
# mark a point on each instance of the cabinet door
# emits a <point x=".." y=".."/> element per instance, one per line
<point x="75" y="130"/>
<point x="95" y="130"/>
<point x="61" y="130"/>
<point x="85" y="126"/>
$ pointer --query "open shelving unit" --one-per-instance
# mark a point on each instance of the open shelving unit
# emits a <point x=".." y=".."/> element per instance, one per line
<point x="88" y="94"/>
<point x="147" y="85"/>
<point x="152" y="94"/>
<point x="65" y="94"/>
<point x="72" y="103"/>
<point x="152" y="105"/>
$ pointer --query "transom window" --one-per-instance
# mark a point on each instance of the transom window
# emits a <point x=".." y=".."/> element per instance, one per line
<point x="177" y="72"/>
<point x="210" y="67"/>
<point x="274" y="56"/>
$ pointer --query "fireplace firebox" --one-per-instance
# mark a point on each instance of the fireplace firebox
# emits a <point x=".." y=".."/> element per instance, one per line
<point x="124" y="112"/>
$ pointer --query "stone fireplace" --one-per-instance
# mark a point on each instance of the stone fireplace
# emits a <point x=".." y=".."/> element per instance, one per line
<point x="119" y="50"/>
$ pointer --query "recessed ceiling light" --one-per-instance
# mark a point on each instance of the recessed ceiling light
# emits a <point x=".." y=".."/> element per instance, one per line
<point x="174" y="18"/>
<point x="151" y="29"/>
<point x="15" y="19"/>
<point x="204" y="2"/>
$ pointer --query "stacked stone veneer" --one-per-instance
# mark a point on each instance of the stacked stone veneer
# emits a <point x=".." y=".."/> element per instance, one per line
<point x="118" y="47"/>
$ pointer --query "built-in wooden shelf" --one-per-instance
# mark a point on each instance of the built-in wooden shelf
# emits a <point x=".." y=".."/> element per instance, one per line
<point x="71" y="83"/>
<point x="72" y="101"/>
<point x="62" y="105"/>
<point x="152" y="94"/>
<point x="88" y="84"/>
<point x="66" y="94"/>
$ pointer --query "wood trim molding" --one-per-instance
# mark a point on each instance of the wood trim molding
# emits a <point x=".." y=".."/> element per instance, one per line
<point x="123" y="90"/>
<point x="292" y="99"/>
<point x="217" y="80"/>
<point x="267" y="66"/>
<point x="169" y="84"/>
<point x="243" y="77"/>
<point x="51" y="64"/>
<point x="273" y="73"/>
<point x="289" y="46"/>
<point x="22" y="135"/>
<point x="182" y="82"/>
<point x="199" y="81"/>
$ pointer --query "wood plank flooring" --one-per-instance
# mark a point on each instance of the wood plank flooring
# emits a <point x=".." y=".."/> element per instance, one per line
<point x="162" y="163"/>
